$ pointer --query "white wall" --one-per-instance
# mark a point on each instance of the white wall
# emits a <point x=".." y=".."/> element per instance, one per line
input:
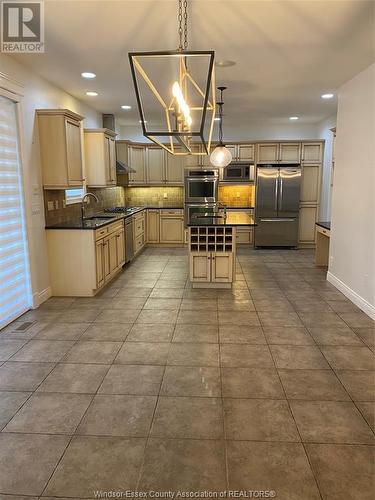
<point x="352" y="248"/>
<point x="324" y="132"/>
<point x="39" y="93"/>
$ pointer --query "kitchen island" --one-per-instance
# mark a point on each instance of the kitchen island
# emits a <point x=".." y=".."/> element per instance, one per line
<point x="212" y="247"/>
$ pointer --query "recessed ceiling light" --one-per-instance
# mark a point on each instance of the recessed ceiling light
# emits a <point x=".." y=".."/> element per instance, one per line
<point x="326" y="96"/>
<point x="126" y="106"/>
<point x="293" y="117"/>
<point x="92" y="93"/>
<point x="225" y="63"/>
<point x="88" y="74"/>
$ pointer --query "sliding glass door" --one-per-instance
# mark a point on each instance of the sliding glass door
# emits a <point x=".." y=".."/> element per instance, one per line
<point x="15" y="293"/>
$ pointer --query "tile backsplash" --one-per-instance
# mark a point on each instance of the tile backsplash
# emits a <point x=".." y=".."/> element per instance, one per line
<point x="237" y="195"/>
<point x="154" y="196"/>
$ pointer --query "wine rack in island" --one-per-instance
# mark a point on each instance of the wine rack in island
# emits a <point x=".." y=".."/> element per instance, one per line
<point x="212" y="256"/>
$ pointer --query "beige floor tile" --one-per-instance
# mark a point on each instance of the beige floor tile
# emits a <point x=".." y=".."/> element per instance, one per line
<point x="226" y="304"/>
<point x="367" y="335"/>
<point x="117" y="316"/>
<point x="62" y="331"/>
<point x="277" y="318"/>
<point x="74" y="378"/>
<point x="343" y="471"/>
<point x="164" y="303"/>
<point x="167" y="293"/>
<point x="311" y="319"/>
<point x="349" y="358"/>
<point x="196" y="333"/>
<point x="251" y="383"/>
<point x="128" y="416"/>
<point x="144" y="380"/>
<point x="331" y="422"/>
<point x="289" y="335"/>
<point x="358" y="320"/>
<point x="245" y="355"/>
<point x="367" y="408"/>
<point x="93" y="352"/>
<point x="334" y="335"/>
<point x="198" y="304"/>
<point x="151" y="332"/>
<point x="46" y="351"/>
<point x="160" y="316"/>
<point x="135" y="303"/>
<point x="9" y="347"/>
<point x="50" y="413"/>
<point x="298" y="357"/>
<point x="16" y="376"/>
<point x="191" y="381"/>
<point x="197" y="317"/>
<point x="241" y="334"/>
<point x="97" y="464"/>
<point x="321" y="385"/>
<point x="134" y="291"/>
<point x="238" y="318"/>
<point x="10" y="402"/>
<point x="280" y="467"/>
<point x="27" y="461"/>
<point x="359" y="383"/>
<point x="189" y="354"/>
<point x="187" y="417"/>
<point x="78" y="315"/>
<point x="109" y="332"/>
<point x="143" y="353"/>
<point x="259" y="420"/>
<point x="183" y="464"/>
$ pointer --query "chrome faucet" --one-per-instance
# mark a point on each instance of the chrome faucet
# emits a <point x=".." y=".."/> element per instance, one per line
<point x="224" y="207"/>
<point x="87" y="195"/>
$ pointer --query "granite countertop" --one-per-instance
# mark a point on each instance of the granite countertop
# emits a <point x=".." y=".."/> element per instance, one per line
<point x="324" y="224"/>
<point x="232" y="219"/>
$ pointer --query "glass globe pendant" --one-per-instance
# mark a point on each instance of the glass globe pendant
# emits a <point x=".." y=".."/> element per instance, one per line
<point x="221" y="156"/>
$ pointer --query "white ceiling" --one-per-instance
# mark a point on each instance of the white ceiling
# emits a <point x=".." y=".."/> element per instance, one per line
<point x="287" y="53"/>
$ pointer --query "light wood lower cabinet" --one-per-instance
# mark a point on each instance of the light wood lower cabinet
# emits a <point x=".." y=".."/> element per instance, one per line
<point x="214" y="267"/>
<point x="153" y="225"/>
<point x="307" y="219"/>
<point x="245" y="236"/>
<point x="81" y="261"/>
<point x="171" y="228"/>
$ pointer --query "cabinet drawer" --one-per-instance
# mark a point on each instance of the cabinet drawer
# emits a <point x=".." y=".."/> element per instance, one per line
<point x="139" y="227"/>
<point x="244" y="236"/>
<point x="116" y="226"/>
<point x="100" y="233"/>
<point x="324" y="231"/>
<point x="139" y="216"/>
<point x="139" y="242"/>
<point x="177" y="211"/>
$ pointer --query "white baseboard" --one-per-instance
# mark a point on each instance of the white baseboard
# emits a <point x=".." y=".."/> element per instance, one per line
<point x="366" y="307"/>
<point x="40" y="297"/>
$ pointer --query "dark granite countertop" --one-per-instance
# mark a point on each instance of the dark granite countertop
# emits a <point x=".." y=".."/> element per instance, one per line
<point x="324" y="224"/>
<point x="232" y="219"/>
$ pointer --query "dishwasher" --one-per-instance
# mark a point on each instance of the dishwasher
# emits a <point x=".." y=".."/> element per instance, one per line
<point x="129" y="251"/>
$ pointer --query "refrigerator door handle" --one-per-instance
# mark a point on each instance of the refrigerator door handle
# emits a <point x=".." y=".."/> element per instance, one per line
<point x="276" y="192"/>
<point x="281" y="193"/>
<point x="279" y="219"/>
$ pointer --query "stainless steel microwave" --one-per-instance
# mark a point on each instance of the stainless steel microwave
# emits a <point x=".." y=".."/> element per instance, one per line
<point x="239" y="172"/>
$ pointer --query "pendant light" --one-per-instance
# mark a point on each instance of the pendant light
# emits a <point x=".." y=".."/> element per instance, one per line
<point x="175" y="93"/>
<point x="221" y="156"/>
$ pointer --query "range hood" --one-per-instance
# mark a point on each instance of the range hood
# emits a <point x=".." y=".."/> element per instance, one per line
<point x="122" y="168"/>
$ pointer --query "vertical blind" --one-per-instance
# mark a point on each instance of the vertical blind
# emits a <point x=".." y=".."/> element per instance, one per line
<point x="15" y="294"/>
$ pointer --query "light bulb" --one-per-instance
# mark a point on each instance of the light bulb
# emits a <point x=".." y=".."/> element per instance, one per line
<point x="220" y="157"/>
<point x="183" y="106"/>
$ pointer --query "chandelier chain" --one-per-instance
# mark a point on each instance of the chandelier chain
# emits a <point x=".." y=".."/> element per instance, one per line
<point x="182" y="19"/>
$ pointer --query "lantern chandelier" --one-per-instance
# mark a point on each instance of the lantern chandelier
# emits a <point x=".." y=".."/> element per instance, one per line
<point x="175" y="93"/>
<point x="221" y="156"/>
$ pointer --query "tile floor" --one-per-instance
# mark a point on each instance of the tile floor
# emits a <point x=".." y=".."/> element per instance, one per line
<point x="155" y="386"/>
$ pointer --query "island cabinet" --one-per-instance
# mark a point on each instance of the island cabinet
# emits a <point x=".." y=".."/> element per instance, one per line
<point x="100" y="157"/>
<point x="60" y="138"/>
<point x="211" y="256"/>
<point x="82" y="261"/>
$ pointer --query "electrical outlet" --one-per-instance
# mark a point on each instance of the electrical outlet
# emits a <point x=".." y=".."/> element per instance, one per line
<point x="165" y="195"/>
<point x="50" y="205"/>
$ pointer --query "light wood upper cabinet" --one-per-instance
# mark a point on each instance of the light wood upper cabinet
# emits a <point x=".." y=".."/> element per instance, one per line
<point x="290" y="152"/>
<point x="174" y="169"/>
<point x="100" y="157"/>
<point x="60" y="148"/>
<point x="310" y="184"/>
<point x="137" y="161"/>
<point x="153" y="226"/>
<point x="155" y="171"/>
<point x="245" y="152"/>
<point x="312" y="152"/>
<point x="267" y="153"/>
<point x="233" y="149"/>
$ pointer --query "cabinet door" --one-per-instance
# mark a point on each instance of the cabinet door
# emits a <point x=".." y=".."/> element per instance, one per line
<point x="137" y="162"/>
<point x="244" y="236"/>
<point x="171" y="229"/>
<point x="268" y="153"/>
<point x="290" y="153"/>
<point x="73" y="153"/>
<point x="153" y="226"/>
<point x="155" y="172"/>
<point x="200" y="266"/>
<point x="312" y="152"/>
<point x="310" y="184"/>
<point x="99" y="257"/>
<point x="120" y="248"/>
<point x="112" y="161"/>
<point x="234" y="151"/>
<point x="307" y="219"/>
<point x="112" y="250"/>
<point x="122" y="151"/>
<point x="221" y="267"/>
<point x="245" y="152"/>
<point x="175" y="165"/>
<point x="107" y="161"/>
<point x="106" y="263"/>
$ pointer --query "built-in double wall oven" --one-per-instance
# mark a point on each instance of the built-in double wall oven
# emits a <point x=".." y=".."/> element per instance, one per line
<point x="201" y="186"/>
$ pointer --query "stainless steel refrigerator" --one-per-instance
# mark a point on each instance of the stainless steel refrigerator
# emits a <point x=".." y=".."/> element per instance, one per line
<point x="277" y="205"/>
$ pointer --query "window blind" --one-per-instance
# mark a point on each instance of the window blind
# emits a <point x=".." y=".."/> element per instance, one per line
<point x="15" y="293"/>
